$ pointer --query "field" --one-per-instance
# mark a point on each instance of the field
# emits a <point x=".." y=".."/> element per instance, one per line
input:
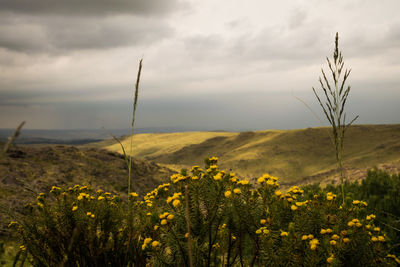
<point x="295" y="156"/>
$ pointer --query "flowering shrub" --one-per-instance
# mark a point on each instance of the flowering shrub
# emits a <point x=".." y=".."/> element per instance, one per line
<point x="205" y="218"/>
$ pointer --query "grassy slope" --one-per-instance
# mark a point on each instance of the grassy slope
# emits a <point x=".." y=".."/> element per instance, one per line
<point x="30" y="169"/>
<point x="291" y="155"/>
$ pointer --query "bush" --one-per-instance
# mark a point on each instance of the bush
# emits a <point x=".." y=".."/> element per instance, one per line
<point x="381" y="191"/>
<point x="231" y="222"/>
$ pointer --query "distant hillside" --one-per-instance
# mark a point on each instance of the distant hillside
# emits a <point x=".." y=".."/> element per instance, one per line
<point x="29" y="170"/>
<point x="296" y="156"/>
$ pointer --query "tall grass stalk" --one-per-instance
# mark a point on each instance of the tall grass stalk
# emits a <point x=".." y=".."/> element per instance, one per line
<point x="11" y="139"/>
<point x="133" y="125"/>
<point x="336" y="96"/>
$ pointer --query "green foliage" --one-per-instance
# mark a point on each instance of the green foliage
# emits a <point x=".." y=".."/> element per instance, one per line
<point x="232" y="222"/>
<point x="381" y="191"/>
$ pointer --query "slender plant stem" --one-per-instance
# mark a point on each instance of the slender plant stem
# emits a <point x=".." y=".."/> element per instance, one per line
<point x="188" y="226"/>
<point x="132" y="126"/>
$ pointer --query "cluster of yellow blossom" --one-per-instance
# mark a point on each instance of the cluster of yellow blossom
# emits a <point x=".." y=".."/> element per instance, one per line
<point x="12" y="223"/>
<point x="378" y="239"/>
<point x="196" y="169"/>
<point x="330" y="259"/>
<point x="263" y="230"/>
<point x="175" y="199"/>
<point x="237" y="191"/>
<point x="397" y="260"/>
<point x="55" y="189"/>
<point x="313" y="243"/>
<point x="268" y="180"/>
<point x="283" y="233"/>
<point x="83" y="195"/>
<point x="370" y="217"/>
<point x="177" y="178"/>
<point x="90" y="215"/>
<point x="232" y="177"/>
<point x="147" y="241"/>
<point x="307" y="237"/>
<point x="295" y="190"/>
<point x="165" y="217"/>
<point x="326" y="231"/>
<point x="354" y="223"/>
<point x="216" y="246"/>
<point x="243" y="182"/>
<point x="330" y="196"/>
<point x="218" y="176"/>
<point x="360" y="203"/>
<point x="228" y="194"/>
<point x="74" y="207"/>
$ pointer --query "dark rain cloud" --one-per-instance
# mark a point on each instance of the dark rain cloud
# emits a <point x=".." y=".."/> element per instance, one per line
<point x="54" y="27"/>
<point x="91" y="7"/>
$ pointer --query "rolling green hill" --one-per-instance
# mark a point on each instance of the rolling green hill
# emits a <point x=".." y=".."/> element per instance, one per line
<point x="295" y="156"/>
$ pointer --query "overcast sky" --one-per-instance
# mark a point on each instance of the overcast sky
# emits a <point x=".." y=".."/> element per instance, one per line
<point x="207" y="64"/>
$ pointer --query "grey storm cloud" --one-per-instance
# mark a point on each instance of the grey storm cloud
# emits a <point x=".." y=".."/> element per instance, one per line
<point x="52" y="26"/>
<point x="91" y="7"/>
<point x="61" y="34"/>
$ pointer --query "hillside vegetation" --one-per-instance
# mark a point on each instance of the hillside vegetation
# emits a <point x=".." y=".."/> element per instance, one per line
<point x="27" y="171"/>
<point x="296" y="156"/>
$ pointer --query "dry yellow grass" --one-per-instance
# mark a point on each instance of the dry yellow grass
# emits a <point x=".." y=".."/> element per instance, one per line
<point x="292" y="155"/>
<point x="158" y="144"/>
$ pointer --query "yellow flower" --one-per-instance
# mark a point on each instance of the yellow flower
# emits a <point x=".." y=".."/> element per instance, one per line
<point x="228" y="194"/>
<point x="258" y="231"/>
<point x="148" y="214"/>
<point x="12" y="223"/>
<point x="216" y="246"/>
<point x="293" y="207"/>
<point x="330" y="259"/>
<point x="155" y="227"/>
<point x="270" y="182"/>
<point x="147" y="240"/>
<point x="164" y="222"/>
<point x="374" y="239"/>
<point x="346" y="240"/>
<point x="218" y="177"/>
<point x="350" y="224"/>
<point x="100" y="198"/>
<point x="278" y="193"/>
<point x="323" y="231"/>
<point x="304" y="237"/>
<point x="22" y="247"/>
<point x="263" y="221"/>
<point x="237" y="191"/>
<point x="356" y="202"/>
<point x="284" y="234"/>
<point x="243" y="182"/>
<point x="170" y="217"/>
<point x="377" y="229"/>
<point x="133" y="194"/>
<point x="74" y="208"/>
<point x="333" y="242"/>
<point x="195" y="178"/>
<point x="176" y="203"/>
<point x="335" y="237"/>
<point x="155" y="244"/>
<point x="381" y="238"/>
<point x="261" y="180"/>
